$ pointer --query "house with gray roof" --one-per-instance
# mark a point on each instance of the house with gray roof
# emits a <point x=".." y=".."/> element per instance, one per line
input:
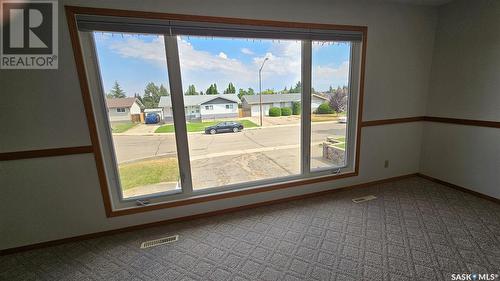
<point x="251" y="103"/>
<point x="122" y="109"/>
<point x="204" y="107"/>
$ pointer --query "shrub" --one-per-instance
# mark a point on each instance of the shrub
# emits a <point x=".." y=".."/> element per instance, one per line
<point x="296" y="108"/>
<point x="324" y="108"/>
<point x="286" y="111"/>
<point x="274" y="111"/>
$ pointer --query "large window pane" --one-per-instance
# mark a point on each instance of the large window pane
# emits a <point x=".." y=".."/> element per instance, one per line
<point x="329" y="104"/>
<point x="134" y="75"/>
<point x="221" y="82"/>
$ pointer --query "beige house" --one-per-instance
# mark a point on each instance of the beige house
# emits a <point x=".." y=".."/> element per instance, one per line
<point x="122" y="109"/>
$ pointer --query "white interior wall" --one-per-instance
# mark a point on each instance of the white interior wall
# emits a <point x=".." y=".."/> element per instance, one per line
<point x="464" y="84"/>
<point x="60" y="197"/>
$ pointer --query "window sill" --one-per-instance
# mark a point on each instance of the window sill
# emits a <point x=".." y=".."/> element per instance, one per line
<point x="227" y="194"/>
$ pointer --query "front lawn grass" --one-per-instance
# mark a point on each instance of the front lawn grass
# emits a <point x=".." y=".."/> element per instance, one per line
<point x="122" y="127"/>
<point x="340" y="145"/>
<point x="148" y="172"/>
<point x="200" y="126"/>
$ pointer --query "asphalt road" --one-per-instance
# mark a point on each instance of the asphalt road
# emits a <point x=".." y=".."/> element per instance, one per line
<point x="130" y="148"/>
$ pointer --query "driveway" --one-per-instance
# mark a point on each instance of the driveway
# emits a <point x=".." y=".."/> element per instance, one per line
<point x="141" y="129"/>
<point x="271" y="121"/>
<point x="232" y="157"/>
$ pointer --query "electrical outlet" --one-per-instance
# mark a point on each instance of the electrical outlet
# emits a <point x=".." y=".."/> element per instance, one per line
<point x="386" y="164"/>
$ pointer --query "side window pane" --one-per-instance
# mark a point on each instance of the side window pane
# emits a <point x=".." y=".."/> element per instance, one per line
<point x="221" y="77"/>
<point x="329" y="104"/>
<point x="134" y="75"/>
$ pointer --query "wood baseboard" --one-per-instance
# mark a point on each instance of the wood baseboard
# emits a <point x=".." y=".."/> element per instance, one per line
<point x="208" y="214"/>
<point x="460" y="188"/>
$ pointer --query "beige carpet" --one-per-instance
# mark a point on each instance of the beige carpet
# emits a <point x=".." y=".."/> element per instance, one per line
<point x="414" y="230"/>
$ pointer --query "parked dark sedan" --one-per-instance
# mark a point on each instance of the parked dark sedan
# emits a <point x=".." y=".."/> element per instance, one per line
<point x="224" y="127"/>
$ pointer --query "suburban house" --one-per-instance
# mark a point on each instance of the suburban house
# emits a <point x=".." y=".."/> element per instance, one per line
<point x="123" y="109"/>
<point x="204" y="107"/>
<point x="251" y="103"/>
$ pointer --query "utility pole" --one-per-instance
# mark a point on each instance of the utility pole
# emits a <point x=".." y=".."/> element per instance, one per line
<point x="260" y="89"/>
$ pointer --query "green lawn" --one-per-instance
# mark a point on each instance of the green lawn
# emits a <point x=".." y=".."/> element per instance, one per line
<point x="200" y="126"/>
<point x="148" y="172"/>
<point x="340" y="145"/>
<point x="122" y="127"/>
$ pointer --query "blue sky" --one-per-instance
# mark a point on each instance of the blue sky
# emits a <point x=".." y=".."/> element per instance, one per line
<point x="135" y="60"/>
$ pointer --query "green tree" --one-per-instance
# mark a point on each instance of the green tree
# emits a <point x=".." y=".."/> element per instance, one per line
<point x="324" y="108"/>
<point x="152" y="95"/>
<point x="296" y="108"/>
<point x="268" y="92"/>
<point x="163" y="91"/>
<point x="241" y="93"/>
<point x="297" y="88"/>
<point x="212" y="90"/>
<point x="191" y="91"/>
<point x="230" y="89"/>
<point x="116" y="92"/>
<point x="137" y="96"/>
<point x="338" y="99"/>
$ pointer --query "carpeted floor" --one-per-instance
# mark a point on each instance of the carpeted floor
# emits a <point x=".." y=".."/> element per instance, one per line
<point x="415" y="230"/>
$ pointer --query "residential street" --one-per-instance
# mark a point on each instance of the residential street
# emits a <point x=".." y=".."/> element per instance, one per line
<point x="229" y="158"/>
<point x="130" y="148"/>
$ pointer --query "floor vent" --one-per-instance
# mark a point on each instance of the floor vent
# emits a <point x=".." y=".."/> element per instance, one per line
<point x="158" y="242"/>
<point x="363" y="199"/>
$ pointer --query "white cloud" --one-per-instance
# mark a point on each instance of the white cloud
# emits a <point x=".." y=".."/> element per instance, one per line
<point x="283" y="64"/>
<point x="134" y="47"/>
<point x="324" y="76"/>
<point x="247" y="51"/>
<point x="203" y="68"/>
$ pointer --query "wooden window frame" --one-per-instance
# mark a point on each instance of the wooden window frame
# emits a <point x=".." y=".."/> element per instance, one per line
<point x="72" y="11"/>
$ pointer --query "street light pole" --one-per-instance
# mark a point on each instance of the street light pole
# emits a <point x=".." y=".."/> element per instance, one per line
<point x="260" y="89"/>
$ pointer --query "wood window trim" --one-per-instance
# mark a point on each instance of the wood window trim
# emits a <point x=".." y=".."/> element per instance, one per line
<point x="72" y="11"/>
